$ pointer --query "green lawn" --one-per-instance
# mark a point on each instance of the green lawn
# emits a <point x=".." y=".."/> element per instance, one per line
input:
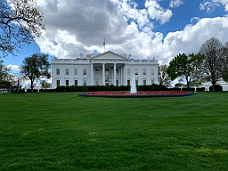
<point x="61" y="131"/>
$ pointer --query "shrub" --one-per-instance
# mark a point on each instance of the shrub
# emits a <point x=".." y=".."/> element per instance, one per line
<point x="4" y="84"/>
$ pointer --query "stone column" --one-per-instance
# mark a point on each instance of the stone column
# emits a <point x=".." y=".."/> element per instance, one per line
<point x="125" y="73"/>
<point x="103" y="73"/>
<point x="114" y="75"/>
<point x="91" y="73"/>
<point x="121" y="76"/>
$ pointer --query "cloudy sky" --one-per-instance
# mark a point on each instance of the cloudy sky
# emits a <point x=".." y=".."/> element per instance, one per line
<point x="142" y="28"/>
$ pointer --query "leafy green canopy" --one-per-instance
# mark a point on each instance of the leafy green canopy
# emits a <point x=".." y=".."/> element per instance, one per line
<point x="35" y="67"/>
<point x="182" y="66"/>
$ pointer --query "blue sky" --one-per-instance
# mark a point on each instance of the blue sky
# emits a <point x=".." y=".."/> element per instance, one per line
<point x="143" y="28"/>
<point x="184" y="15"/>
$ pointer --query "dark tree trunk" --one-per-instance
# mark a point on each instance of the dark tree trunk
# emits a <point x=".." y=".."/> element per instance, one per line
<point x="32" y="85"/>
<point x="213" y="85"/>
<point x="18" y="86"/>
<point x="188" y="82"/>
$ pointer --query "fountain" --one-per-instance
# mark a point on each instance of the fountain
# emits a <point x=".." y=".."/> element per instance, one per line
<point x="133" y="85"/>
<point x="134" y="94"/>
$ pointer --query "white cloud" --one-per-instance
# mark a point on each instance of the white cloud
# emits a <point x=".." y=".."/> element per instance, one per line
<point x="130" y="11"/>
<point x="210" y="5"/>
<point x="175" y="3"/>
<point x="193" y="36"/>
<point x="223" y="2"/>
<point x="76" y="26"/>
<point x="80" y="26"/>
<point x="194" y="19"/>
<point x="157" y="12"/>
<point x="14" y="68"/>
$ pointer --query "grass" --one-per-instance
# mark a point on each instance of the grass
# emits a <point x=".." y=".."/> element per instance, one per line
<point x="61" y="131"/>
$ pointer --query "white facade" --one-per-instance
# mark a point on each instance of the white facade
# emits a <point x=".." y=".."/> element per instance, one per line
<point x="223" y="84"/>
<point x="99" y="70"/>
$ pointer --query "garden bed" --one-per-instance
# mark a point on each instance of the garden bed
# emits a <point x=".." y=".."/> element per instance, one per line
<point x="140" y="94"/>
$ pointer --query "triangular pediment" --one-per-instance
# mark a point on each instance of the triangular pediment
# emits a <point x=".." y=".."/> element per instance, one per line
<point x="109" y="55"/>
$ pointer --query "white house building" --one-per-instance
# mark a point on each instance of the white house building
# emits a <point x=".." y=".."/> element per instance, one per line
<point x="107" y="68"/>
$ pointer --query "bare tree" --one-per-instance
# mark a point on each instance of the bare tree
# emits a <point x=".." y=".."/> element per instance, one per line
<point x="20" y="23"/>
<point x="8" y="78"/>
<point x="211" y="61"/>
<point x="225" y="71"/>
<point x="163" y="76"/>
<point x="3" y="75"/>
<point x="2" y="70"/>
<point x="45" y="84"/>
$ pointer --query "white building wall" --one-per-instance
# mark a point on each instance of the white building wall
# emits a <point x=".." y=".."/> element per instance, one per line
<point x="140" y="77"/>
<point x="71" y="77"/>
<point x="122" y="65"/>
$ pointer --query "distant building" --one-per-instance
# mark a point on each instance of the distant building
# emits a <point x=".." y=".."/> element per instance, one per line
<point x="107" y="68"/>
<point x="221" y="83"/>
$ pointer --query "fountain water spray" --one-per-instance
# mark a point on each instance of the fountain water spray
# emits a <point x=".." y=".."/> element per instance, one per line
<point x="133" y="85"/>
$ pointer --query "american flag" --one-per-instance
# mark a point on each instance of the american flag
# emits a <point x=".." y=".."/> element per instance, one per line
<point x="104" y="42"/>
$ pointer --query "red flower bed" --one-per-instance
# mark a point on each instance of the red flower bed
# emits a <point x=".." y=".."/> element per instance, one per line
<point x="138" y="94"/>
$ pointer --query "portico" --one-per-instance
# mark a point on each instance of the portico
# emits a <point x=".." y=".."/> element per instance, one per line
<point x="112" y="66"/>
<point x="111" y="74"/>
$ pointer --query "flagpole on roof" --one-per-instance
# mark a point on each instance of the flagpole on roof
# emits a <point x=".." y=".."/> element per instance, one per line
<point x="104" y="44"/>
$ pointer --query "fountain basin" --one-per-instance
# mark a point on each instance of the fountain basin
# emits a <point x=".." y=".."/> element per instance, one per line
<point x="139" y="94"/>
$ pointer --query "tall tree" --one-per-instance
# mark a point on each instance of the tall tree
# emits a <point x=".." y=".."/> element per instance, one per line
<point x="20" y="23"/>
<point x="3" y="74"/>
<point x="225" y="71"/>
<point x="2" y="70"/>
<point x="45" y="84"/>
<point x="163" y="76"/>
<point x="211" y="60"/>
<point x="182" y="66"/>
<point x="7" y="78"/>
<point x="35" y="67"/>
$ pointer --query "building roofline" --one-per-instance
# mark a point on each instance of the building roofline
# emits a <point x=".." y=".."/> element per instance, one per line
<point x="121" y="56"/>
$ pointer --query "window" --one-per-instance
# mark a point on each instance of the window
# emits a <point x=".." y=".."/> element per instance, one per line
<point x="144" y="71"/>
<point x="144" y="82"/>
<point x="152" y="71"/>
<point x="57" y="71"/>
<point x="97" y="72"/>
<point x="76" y="82"/>
<point x="136" y="82"/>
<point x="67" y="82"/>
<point x="84" y="71"/>
<point x="152" y="81"/>
<point x="106" y="72"/>
<point x="136" y="71"/>
<point x="67" y="71"/>
<point x="117" y="72"/>
<point x="128" y="72"/>
<point x="97" y="83"/>
<point x="84" y="82"/>
<point x="57" y="83"/>
<point x="75" y="71"/>
<point x="128" y="82"/>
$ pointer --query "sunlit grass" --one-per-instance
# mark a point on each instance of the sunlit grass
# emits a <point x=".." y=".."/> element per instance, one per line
<point x="61" y="131"/>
